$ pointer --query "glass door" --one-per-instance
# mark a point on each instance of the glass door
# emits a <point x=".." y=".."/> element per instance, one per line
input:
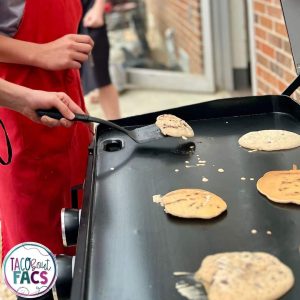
<point x="163" y="44"/>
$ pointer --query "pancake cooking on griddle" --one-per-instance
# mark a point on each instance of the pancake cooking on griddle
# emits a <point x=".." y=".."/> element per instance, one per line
<point x="244" y="276"/>
<point x="281" y="186"/>
<point x="173" y="126"/>
<point x="192" y="203"/>
<point x="270" y="140"/>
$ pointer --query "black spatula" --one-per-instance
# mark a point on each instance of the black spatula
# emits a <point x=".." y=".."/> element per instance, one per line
<point x="140" y="135"/>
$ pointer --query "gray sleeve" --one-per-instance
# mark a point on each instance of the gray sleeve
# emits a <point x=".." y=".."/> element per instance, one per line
<point x="11" y="12"/>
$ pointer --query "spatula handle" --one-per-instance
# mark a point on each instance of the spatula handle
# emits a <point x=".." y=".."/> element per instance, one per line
<point x="55" y="114"/>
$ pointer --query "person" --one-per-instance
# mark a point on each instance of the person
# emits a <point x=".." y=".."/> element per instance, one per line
<point x="93" y="24"/>
<point x="41" y="51"/>
<point x="26" y="101"/>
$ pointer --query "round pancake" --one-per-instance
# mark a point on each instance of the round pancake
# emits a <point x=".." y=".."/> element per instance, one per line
<point x="193" y="203"/>
<point x="270" y="140"/>
<point x="173" y="126"/>
<point x="281" y="186"/>
<point x="244" y="275"/>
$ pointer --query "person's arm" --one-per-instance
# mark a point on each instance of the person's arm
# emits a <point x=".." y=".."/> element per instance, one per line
<point x="26" y="101"/>
<point x="66" y="52"/>
<point x="94" y="18"/>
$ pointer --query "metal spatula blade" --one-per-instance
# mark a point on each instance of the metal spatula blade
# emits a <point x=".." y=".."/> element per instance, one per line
<point x="146" y="134"/>
<point x="188" y="287"/>
<point x="143" y="134"/>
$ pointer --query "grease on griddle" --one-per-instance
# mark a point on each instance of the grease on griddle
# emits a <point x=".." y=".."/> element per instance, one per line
<point x="201" y="161"/>
<point x="185" y="148"/>
<point x="195" y="166"/>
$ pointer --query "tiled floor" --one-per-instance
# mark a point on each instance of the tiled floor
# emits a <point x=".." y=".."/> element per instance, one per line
<point x="5" y="294"/>
<point x="139" y="101"/>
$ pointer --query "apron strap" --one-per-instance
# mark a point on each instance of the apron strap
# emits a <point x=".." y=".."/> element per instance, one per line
<point x="9" y="149"/>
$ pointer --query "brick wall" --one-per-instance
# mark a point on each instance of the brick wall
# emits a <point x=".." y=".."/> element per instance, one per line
<point x="184" y="17"/>
<point x="274" y="63"/>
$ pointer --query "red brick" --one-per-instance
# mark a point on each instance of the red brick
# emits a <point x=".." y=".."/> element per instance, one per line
<point x="260" y="32"/>
<point x="262" y="86"/>
<point x="276" y="69"/>
<point x="289" y="77"/>
<point x="281" y="86"/>
<point x="281" y="29"/>
<point x="284" y="59"/>
<point x="268" y="50"/>
<point x="259" y="7"/>
<point x="275" y="40"/>
<point x="266" y="22"/>
<point x="287" y="46"/>
<point x="184" y="16"/>
<point x="262" y="60"/>
<point x="275" y="12"/>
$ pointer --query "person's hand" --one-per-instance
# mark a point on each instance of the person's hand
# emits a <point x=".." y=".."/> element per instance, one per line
<point x="36" y="99"/>
<point x="67" y="52"/>
<point x="93" y="18"/>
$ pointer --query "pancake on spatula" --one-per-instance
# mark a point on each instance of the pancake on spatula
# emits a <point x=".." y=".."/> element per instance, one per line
<point x="281" y="186"/>
<point x="270" y="140"/>
<point x="192" y="203"/>
<point x="244" y="276"/>
<point x="173" y="126"/>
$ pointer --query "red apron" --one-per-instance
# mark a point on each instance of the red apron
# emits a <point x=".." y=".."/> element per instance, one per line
<point x="46" y="162"/>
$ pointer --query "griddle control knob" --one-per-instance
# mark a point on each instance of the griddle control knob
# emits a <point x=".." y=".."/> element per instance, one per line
<point x="65" y="271"/>
<point x="70" y="219"/>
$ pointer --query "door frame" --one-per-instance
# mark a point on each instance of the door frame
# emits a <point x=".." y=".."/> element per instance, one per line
<point x="223" y="46"/>
<point x="252" y="45"/>
<point x="177" y="81"/>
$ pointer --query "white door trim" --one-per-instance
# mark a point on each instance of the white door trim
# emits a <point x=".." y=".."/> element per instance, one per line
<point x="252" y="46"/>
<point x="223" y="45"/>
<point x="208" y="50"/>
<point x="177" y="80"/>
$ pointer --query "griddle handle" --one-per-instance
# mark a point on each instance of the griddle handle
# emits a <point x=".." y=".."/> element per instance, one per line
<point x="292" y="87"/>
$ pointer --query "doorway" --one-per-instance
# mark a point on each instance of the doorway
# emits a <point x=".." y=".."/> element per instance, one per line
<point x="231" y="28"/>
<point x="168" y="45"/>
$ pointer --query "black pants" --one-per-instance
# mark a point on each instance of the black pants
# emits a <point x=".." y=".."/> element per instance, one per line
<point x="95" y="72"/>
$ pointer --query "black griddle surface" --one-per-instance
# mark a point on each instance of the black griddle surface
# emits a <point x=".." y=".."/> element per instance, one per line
<point x="134" y="247"/>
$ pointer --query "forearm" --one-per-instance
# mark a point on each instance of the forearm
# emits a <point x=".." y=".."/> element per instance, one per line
<point x="18" y="52"/>
<point x="12" y="94"/>
<point x="99" y="5"/>
<point x="26" y="101"/>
